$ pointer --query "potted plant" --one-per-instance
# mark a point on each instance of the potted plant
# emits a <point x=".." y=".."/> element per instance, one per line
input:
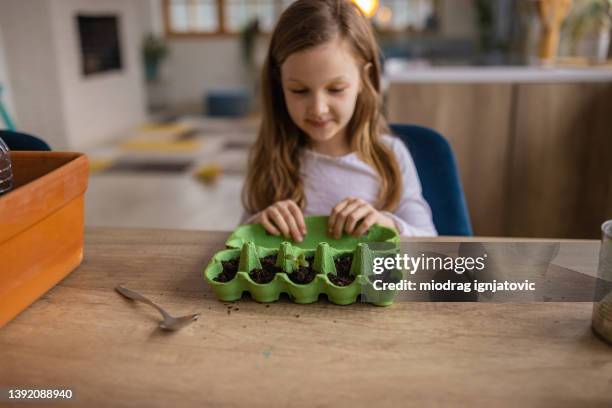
<point x="154" y="51"/>
<point x="592" y="18"/>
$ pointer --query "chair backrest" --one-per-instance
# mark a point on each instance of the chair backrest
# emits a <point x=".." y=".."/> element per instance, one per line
<point x="23" y="141"/>
<point x="437" y="169"/>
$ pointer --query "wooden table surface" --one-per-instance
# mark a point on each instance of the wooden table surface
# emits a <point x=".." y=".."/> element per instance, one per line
<point x="84" y="336"/>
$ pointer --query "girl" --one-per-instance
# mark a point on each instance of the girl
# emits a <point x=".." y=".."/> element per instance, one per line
<point x="322" y="147"/>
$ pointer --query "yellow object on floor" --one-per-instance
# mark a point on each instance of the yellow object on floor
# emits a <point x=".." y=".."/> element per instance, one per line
<point x="169" y="129"/>
<point x="98" y="165"/>
<point x="209" y="173"/>
<point x="148" y="145"/>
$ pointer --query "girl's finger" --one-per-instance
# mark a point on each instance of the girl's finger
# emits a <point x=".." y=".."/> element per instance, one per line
<point x="356" y="216"/>
<point x="335" y="211"/>
<point x="278" y="220"/>
<point x="265" y="221"/>
<point x="342" y="216"/>
<point x="298" y="216"/>
<point x="291" y="223"/>
<point x="366" y="224"/>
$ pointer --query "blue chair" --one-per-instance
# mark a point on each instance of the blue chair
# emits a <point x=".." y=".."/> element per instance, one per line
<point x="230" y="103"/>
<point x="437" y="169"/>
<point x="22" y="141"/>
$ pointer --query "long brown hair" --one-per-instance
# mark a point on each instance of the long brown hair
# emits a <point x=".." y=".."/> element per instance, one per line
<point x="274" y="161"/>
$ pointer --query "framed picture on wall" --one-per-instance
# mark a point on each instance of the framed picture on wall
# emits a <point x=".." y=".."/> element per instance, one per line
<point x="100" y="45"/>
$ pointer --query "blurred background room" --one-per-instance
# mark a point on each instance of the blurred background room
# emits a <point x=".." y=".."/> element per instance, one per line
<point x="162" y="96"/>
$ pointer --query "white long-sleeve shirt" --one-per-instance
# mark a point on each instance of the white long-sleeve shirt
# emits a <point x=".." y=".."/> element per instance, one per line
<point x="328" y="180"/>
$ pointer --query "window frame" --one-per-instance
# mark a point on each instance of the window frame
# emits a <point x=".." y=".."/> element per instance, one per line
<point x="223" y="32"/>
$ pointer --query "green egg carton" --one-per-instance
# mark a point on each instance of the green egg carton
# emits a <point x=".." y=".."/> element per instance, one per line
<point x="250" y="243"/>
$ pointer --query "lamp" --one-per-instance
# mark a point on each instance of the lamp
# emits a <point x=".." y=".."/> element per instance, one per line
<point x="384" y="16"/>
<point x="369" y="7"/>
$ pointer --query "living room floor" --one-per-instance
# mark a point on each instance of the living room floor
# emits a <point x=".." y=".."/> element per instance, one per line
<point x="186" y="175"/>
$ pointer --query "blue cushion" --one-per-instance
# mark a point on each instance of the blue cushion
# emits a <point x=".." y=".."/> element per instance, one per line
<point x="22" y="141"/>
<point x="437" y="169"/>
<point x="227" y="103"/>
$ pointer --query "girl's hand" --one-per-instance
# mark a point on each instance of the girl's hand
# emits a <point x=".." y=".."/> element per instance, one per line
<point x="352" y="211"/>
<point x="283" y="217"/>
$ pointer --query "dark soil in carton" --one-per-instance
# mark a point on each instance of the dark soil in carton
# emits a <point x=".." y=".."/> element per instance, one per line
<point x="304" y="274"/>
<point x="343" y="275"/>
<point x="267" y="271"/>
<point x="230" y="268"/>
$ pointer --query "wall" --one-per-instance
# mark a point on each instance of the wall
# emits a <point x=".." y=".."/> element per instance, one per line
<point x="7" y="96"/>
<point x="197" y="65"/>
<point x="458" y="19"/>
<point x="30" y="57"/>
<point x="107" y="105"/>
<point x="51" y="97"/>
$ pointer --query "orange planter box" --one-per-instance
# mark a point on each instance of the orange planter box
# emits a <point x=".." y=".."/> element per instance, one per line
<point x="41" y="226"/>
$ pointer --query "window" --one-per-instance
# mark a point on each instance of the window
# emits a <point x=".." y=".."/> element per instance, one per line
<point x="403" y="15"/>
<point x="206" y="17"/>
<point x="191" y="17"/>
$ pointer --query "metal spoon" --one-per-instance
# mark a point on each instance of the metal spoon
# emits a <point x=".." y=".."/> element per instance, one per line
<point x="169" y="323"/>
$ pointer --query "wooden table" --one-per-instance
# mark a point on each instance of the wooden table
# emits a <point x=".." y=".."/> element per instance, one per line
<point x="84" y="336"/>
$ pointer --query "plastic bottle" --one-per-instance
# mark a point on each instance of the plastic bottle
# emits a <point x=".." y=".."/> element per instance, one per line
<point x="6" y="170"/>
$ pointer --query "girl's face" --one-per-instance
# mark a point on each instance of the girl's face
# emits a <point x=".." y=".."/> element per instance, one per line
<point x="321" y="85"/>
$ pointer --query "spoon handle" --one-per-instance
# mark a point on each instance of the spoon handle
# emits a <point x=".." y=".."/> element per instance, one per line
<point x="130" y="294"/>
